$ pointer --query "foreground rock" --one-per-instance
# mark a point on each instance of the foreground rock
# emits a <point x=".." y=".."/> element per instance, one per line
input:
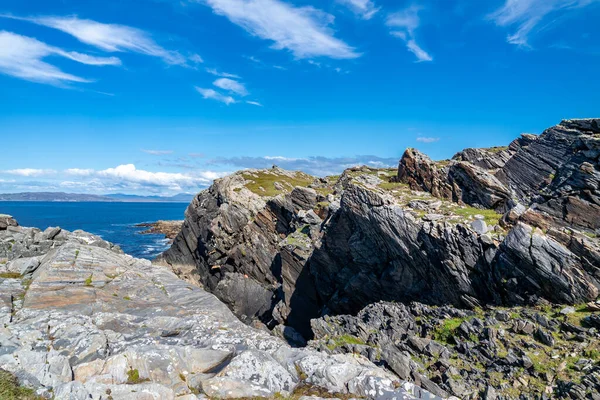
<point x="82" y="320"/>
<point x="513" y="353"/>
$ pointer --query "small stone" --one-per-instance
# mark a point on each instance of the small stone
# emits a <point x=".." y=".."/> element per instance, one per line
<point x="479" y="226"/>
<point x="567" y="310"/>
<point x="432" y="217"/>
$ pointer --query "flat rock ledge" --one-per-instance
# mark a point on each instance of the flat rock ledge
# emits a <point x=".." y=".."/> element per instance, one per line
<point x="81" y="320"/>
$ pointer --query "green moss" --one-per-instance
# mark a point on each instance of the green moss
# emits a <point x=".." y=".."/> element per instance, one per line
<point x="490" y="217"/>
<point x="393" y="185"/>
<point x="496" y="149"/>
<point x="133" y="377"/>
<point x="127" y="298"/>
<point x="262" y="183"/>
<point x="342" y="340"/>
<point x="446" y="330"/>
<point x="590" y="235"/>
<point x="11" y="390"/>
<point x="10" y="275"/>
<point x="88" y="281"/>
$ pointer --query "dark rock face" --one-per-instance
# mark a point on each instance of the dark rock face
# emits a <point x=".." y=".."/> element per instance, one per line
<point x="285" y="248"/>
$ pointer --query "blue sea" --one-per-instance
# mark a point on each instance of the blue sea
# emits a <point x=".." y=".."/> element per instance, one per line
<point x="114" y="222"/>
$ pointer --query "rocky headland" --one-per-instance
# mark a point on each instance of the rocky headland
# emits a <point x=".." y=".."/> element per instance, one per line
<point x="168" y="228"/>
<point x="476" y="259"/>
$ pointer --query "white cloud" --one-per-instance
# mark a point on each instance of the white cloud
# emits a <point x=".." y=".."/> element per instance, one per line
<point x="525" y="15"/>
<point x="403" y="25"/>
<point x="427" y="139"/>
<point x="365" y="8"/>
<point x="196" y="59"/>
<point x="21" y="57"/>
<point x="302" y="30"/>
<point x="79" y="172"/>
<point x="109" y="37"/>
<point x="214" y="95"/>
<point x="231" y="86"/>
<point x="254" y="103"/>
<point x="421" y="54"/>
<point x="128" y="173"/>
<point x="158" y="152"/>
<point x="214" y="72"/>
<point x="29" y="172"/>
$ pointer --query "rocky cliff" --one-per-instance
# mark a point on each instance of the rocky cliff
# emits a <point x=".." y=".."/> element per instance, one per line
<point x="81" y="320"/>
<point x="500" y="226"/>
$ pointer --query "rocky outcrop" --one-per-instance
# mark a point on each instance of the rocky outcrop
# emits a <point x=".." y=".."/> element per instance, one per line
<point x="514" y="353"/>
<point x="89" y="322"/>
<point x="6" y="221"/>
<point x="421" y="173"/>
<point x="168" y="228"/>
<point x="337" y="246"/>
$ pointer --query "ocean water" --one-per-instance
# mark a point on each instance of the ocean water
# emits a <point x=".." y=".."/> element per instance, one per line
<point x="114" y="222"/>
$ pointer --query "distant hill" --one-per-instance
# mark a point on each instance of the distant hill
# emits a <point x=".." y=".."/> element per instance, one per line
<point x="78" y="197"/>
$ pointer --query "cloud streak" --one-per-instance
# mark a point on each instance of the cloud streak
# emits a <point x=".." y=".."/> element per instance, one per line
<point x="157" y="152"/>
<point x="366" y="9"/>
<point x="22" y="57"/>
<point x="29" y="172"/>
<point x="427" y="139"/>
<point x="526" y="15"/>
<point x="214" y="95"/>
<point x="304" y="31"/>
<point x="403" y="25"/>
<point x="109" y="37"/>
<point x="231" y="86"/>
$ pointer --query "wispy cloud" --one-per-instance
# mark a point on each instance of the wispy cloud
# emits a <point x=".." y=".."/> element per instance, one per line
<point x="427" y="139"/>
<point x="364" y="8"/>
<point x="254" y="103"/>
<point x="29" y="172"/>
<point x="214" y="95"/>
<point x="109" y="37"/>
<point x="319" y="166"/>
<point x="526" y="15"/>
<point x="21" y="57"/>
<point x="215" y="72"/>
<point x="403" y="25"/>
<point x="158" y="152"/>
<point x="304" y="31"/>
<point x="231" y="86"/>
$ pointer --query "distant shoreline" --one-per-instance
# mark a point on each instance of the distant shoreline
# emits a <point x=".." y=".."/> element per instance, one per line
<point x="63" y="197"/>
<point x="93" y="201"/>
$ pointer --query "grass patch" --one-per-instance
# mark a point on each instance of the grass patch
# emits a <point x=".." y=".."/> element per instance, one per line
<point x="11" y="390"/>
<point x="342" y="340"/>
<point x="10" y="275"/>
<point x="133" y="377"/>
<point x="490" y="217"/>
<point x="127" y="298"/>
<point x="263" y="183"/>
<point x="393" y="185"/>
<point x="88" y="281"/>
<point x="496" y="149"/>
<point x="446" y="330"/>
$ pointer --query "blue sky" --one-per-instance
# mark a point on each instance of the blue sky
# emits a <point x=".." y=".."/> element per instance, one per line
<point x="163" y="96"/>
